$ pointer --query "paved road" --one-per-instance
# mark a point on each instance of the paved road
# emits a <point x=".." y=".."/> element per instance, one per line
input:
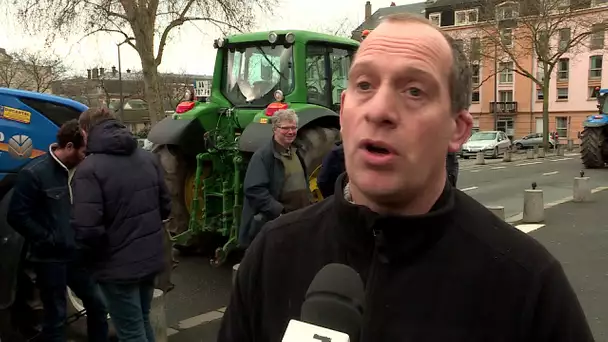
<point x="503" y="184"/>
<point x="577" y="235"/>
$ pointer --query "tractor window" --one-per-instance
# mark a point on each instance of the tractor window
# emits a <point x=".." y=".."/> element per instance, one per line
<point x="603" y="103"/>
<point x="326" y="74"/>
<point x="253" y="74"/>
<point x="57" y="113"/>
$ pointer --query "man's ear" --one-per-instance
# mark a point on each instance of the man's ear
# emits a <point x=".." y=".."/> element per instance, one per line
<point x="463" y="123"/>
<point x="69" y="146"/>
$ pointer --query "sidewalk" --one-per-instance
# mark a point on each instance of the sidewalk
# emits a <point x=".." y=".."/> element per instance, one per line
<point x="577" y="235"/>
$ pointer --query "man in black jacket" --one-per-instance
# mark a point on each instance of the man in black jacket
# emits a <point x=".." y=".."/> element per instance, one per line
<point x="436" y="264"/>
<point x="120" y="201"/>
<point x="40" y="211"/>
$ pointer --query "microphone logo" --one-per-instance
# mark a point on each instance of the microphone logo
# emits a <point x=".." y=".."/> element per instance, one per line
<point x="321" y="338"/>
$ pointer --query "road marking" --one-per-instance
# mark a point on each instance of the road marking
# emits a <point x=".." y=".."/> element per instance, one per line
<point x="571" y="154"/>
<point x="531" y="163"/>
<point x="550" y="173"/>
<point x="475" y="170"/>
<point x="200" y="319"/>
<point x="469" y="188"/>
<point x="527" y="228"/>
<point x="498" y="167"/>
<point x="171" y="331"/>
<point x="560" y="159"/>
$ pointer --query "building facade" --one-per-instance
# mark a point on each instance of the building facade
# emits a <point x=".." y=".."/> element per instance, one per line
<point x="504" y="98"/>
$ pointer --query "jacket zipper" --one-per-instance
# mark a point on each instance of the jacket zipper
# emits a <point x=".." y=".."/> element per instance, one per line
<point x="369" y="288"/>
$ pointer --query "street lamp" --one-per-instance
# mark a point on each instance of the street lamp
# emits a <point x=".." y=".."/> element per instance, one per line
<point x="122" y="104"/>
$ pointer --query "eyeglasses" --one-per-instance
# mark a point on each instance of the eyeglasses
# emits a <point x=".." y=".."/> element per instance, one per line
<point x="288" y="128"/>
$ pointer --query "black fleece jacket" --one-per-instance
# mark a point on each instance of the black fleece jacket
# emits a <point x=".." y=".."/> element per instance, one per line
<point x="455" y="274"/>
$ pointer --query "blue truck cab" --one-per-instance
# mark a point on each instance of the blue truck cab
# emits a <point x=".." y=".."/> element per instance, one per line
<point x="29" y="123"/>
<point x="600" y="119"/>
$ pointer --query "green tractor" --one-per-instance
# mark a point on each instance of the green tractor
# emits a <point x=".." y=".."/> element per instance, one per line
<point x="204" y="147"/>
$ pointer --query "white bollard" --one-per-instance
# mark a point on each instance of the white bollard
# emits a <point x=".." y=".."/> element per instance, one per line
<point x="560" y="150"/>
<point x="497" y="210"/>
<point x="581" y="192"/>
<point x="507" y="156"/>
<point x="534" y="206"/>
<point x="570" y="145"/>
<point x="235" y="269"/>
<point x="541" y="153"/>
<point x="480" y="159"/>
<point x="530" y="154"/>
<point x="158" y="319"/>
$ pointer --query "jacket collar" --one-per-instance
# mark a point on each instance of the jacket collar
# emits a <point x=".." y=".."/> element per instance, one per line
<point x="399" y="236"/>
<point x="52" y="149"/>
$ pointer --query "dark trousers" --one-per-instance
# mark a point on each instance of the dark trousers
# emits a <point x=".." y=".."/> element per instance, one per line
<point x="129" y="306"/>
<point x="52" y="279"/>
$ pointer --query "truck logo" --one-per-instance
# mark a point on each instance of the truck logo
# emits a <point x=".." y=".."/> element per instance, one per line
<point x="20" y="146"/>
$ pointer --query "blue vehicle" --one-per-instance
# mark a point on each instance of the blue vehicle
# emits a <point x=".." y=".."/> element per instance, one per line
<point x="28" y="125"/>
<point x="594" y="145"/>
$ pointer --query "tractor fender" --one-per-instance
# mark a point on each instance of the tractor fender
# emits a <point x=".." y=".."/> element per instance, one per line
<point x="176" y="130"/>
<point x="597" y="120"/>
<point x="11" y="244"/>
<point x="257" y="134"/>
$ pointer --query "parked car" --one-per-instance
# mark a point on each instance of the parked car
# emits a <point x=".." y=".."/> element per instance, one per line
<point x="491" y="143"/>
<point x="531" y="140"/>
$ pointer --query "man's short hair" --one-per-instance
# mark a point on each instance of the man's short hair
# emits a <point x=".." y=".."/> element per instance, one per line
<point x="70" y="132"/>
<point x="460" y="75"/>
<point x="284" y="115"/>
<point x="93" y="116"/>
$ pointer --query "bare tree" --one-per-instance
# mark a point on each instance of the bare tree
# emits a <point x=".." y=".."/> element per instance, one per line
<point x="41" y="69"/>
<point x="341" y="28"/>
<point x="513" y="32"/>
<point x="144" y="25"/>
<point x="10" y="70"/>
<point x="175" y="87"/>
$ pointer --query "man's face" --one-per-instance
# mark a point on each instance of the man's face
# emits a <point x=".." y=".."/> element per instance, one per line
<point x="285" y="132"/>
<point x="396" y="117"/>
<point x="73" y="156"/>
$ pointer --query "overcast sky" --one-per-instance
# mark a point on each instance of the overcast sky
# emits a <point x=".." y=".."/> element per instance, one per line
<point x="191" y="48"/>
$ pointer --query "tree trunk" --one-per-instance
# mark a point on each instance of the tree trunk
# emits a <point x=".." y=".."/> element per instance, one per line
<point x="546" y="115"/>
<point x="152" y="89"/>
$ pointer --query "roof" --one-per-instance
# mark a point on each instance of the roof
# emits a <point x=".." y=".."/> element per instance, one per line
<point x="449" y="3"/>
<point x="44" y="97"/>
<point x="299" y="34"/>
<point x="373" y="21"/>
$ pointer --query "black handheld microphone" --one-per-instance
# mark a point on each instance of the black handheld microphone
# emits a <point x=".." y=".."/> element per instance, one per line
<point x="333" y="308"/>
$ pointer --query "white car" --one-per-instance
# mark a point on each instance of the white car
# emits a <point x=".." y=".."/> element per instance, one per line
<point x="492" y="143"/>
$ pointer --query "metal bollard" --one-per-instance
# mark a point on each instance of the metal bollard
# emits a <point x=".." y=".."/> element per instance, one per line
<point x="560" y="150"/>
<point x="534" y="205"/>
<point x="497" y="210"/>
<point x="541" y="153"/>
<point x="158" y="319"/>
<point x="235" y="269"/>
<point x="480" y="159"/>
<point x="530" y="154"/>
<point x="581" y="191"/>
<point x="507" y="156"/>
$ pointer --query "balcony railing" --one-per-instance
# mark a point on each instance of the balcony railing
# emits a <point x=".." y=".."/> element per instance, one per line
<point x="503" y="107"/>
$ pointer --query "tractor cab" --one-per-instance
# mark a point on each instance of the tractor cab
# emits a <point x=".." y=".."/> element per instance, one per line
<point x="602" y="100"/>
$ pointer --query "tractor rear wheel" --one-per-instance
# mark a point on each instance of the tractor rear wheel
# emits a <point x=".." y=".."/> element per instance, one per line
<point x="591" y="147"/>
<point x="315" y="143"/>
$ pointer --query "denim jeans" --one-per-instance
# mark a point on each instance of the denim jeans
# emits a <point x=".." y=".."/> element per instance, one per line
<point x="129" y="306"/>
<point x="52" y="278"/>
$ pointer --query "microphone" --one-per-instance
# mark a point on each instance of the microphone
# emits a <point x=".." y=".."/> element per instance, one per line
<point x="333" y="308"/>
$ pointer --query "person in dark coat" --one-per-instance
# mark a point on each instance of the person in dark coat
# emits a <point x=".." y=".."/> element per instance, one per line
<point x="333" y="166"/>
<point x="120" y="201"/>
<point x="276" y="181"/>
<point x="40" y="211"/>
